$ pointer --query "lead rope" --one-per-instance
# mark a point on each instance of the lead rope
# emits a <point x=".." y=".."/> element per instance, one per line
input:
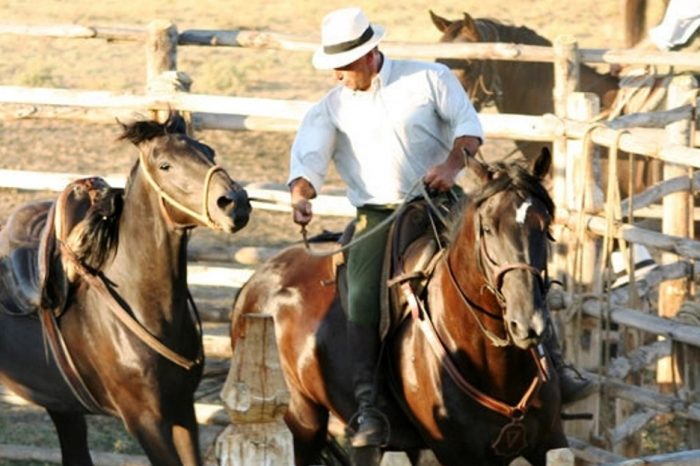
<point x="374" y="230"/>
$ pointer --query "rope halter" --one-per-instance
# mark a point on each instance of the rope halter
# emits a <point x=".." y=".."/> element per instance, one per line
<point x="204" y="217"/>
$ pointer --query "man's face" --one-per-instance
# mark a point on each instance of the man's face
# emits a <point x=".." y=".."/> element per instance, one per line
<point x="357" y="76"/>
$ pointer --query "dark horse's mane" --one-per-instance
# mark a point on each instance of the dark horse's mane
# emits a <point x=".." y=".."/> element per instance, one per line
<point x="141" y="131"/>
<point x="515" y="34"/>
<point x="514" y="176"/>
<point x="144" y="130"/>
<point x="503" y="176"/>
<point x="522" y="35"/>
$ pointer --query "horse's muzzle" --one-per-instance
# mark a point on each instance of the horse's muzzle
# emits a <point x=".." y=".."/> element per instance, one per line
<point x="529" y="332"/>
<point x="236" y="207"/>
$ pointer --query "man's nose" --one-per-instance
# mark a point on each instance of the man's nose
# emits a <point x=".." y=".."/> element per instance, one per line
<point x="338" y="75"/>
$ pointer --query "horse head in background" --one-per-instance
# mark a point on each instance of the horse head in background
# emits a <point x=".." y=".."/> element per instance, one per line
<point x="467" y="376"/>
<point x="106" y="271"/>
<point x="525" y="88"/>
<point x="518" y="87"/>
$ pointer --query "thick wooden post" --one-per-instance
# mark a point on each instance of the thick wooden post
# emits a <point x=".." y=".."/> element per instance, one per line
<point x="676" y="212"/>
<point x="566" y="77"/>
<point x="161" y="48"/>
<point x="256" y="398"/>
<point x="677" y="220"/>
<point x="560" y="457"/>
<point x="161" y="55"/>
<point x="582" y="341"/>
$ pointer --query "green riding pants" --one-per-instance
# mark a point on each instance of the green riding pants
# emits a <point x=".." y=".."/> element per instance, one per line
<point x="364" y="266"/>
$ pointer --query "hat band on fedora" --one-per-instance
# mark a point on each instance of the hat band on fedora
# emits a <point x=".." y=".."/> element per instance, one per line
<point x="351" y="44"/>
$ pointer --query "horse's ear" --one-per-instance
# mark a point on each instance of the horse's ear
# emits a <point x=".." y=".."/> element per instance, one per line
<point x="541" y="166"/>
<point x="478" y="169"/>
<point x="441" y="23"/>
<point x="469" y="28"/>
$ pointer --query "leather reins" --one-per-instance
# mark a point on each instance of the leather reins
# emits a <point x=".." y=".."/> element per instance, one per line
<point x="98" y="282"/>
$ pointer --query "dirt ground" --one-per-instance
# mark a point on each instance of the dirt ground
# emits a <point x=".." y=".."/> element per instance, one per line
<point x="69" y="146"/>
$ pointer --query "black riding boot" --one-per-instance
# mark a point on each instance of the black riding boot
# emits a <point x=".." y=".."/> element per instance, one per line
<point x="363" y="344"/>
<point x="573" y="386"/>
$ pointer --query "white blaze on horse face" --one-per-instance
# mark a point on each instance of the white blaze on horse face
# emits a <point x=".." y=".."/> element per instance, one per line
<point x="521" y="212"/>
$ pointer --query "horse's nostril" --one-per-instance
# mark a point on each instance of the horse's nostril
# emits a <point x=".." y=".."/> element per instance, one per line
<point x="514" y="327"/>
<point x="532" y="334"/>
<point x="223" y="202"/>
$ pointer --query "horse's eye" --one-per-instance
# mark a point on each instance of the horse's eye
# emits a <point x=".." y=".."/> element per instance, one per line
<point x="165" y="166"/>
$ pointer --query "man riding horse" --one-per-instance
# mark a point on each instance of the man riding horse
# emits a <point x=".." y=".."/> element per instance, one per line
<point x="387" y="125"/>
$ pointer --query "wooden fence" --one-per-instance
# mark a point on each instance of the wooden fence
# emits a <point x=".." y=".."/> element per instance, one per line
<point x="582" y="220"/>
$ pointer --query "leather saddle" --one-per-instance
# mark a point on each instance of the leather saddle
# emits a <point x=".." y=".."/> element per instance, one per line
<point x="33" y="274"/>
<point x="412" y="244"/>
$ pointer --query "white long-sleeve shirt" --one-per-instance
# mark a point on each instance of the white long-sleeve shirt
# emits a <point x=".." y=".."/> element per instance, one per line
<point x="384" y="139"/>
<point x="681" y="20"/>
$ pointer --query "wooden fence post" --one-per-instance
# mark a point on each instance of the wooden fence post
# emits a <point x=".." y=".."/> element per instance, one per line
<point x="676" y="214"/>
<point x="581" y="338"/>
<point x="256" y="398"/>
<point x="161" y="55"/>
<point x="566" y="77"/>
<point x="678" y="220"/>
<point x="560" y="457"/>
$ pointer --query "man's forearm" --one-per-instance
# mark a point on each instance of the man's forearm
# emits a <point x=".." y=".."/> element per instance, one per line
<point x="300" y="189"/>
<point x="470" y="143"/>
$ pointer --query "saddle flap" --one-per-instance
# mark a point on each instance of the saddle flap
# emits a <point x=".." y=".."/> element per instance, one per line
<point x="410" y="249"/>
<point x="32" y="274"/>
<point x="19" y="270"/>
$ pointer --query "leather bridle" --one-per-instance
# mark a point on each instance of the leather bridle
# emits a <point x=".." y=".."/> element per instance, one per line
<point x="494" y="280"/>
<point x="498" y="271"/>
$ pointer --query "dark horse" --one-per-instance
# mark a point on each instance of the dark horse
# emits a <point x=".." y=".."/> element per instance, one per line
<point x="526" y="87"/>
<point x="124" y="321"/>
<point x="513" y="86"/>
<point x="467" y="378"/>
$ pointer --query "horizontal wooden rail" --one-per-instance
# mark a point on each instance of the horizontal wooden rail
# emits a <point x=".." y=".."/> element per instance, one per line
<point x="598" y="225"/>
<point x="533" y="128"/>
<point x="287" y="109"/>
<point x="274" y="40"/>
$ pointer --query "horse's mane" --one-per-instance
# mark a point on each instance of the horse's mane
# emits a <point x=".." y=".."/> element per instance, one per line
<point x="506" y="32"/>
<point x="510" y="33"/>
<point x="144" y="130"/>
<point x="504" y="176"/>
<point x="514" y="177"/>
<point x="94" y="240"/>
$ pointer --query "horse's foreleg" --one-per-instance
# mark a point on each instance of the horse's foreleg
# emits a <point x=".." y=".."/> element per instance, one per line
<point x="538" y="457"/>
<point x="157" y="438"/>
<point x="72" y="436"/>
<point x="186" y="437"/>
<point x="308" y="423"/>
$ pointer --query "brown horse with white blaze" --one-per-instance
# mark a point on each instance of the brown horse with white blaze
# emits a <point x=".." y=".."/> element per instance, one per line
<point x="467" y="377"/>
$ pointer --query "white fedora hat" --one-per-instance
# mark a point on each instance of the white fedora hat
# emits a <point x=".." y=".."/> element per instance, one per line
<point x="346" y="35"/>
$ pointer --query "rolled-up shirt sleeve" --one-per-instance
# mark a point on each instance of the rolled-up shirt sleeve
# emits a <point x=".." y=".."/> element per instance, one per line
<point x="313" y="147"/>
<point x="454" y="106"/>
